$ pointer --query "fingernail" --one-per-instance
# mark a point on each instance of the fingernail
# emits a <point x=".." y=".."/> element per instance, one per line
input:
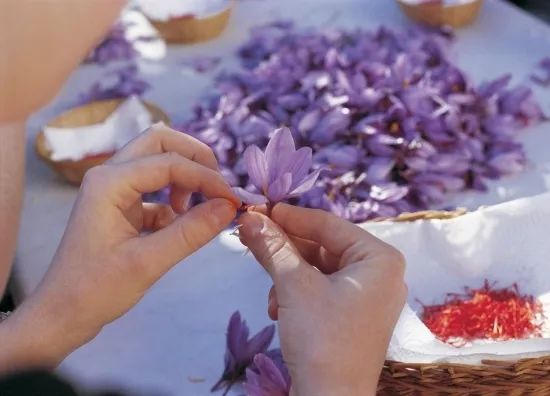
<point x="252" y="225"/>
<point x="223" y="211"/>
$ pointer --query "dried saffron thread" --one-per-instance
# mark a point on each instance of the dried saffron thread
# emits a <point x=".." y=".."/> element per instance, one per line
<point x="485" y="313"/>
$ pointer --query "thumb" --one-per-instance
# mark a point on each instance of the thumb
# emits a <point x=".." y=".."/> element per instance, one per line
<point x="185" y="235"/>
<point x="275" y="252"/>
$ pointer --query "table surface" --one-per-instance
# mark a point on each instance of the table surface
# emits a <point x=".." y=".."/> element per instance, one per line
<point x="175" y="335"/>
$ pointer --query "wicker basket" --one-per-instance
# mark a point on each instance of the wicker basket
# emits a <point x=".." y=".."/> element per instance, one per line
<point x="188" y="29"/>
<point x="90" y="113"/>
<point x="438" y="14"/>
<point x="507" y="378"/>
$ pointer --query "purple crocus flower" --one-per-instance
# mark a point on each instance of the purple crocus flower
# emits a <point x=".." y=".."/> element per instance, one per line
<point x="115" y="46"/>
<point x="267" y="377"/>
<point x="115" y="84"/>
<point x="543" y="78"/>
<point x="203" y="63"/>
<point x="278" y="173"/>
<point x="240" y="351"/>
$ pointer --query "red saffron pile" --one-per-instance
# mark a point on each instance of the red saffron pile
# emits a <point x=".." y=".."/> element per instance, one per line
<point x="485" y="313"/>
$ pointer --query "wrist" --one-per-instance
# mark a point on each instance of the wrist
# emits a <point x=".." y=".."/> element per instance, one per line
<point x="40" y="335"/>
<point x="334" y="382"/>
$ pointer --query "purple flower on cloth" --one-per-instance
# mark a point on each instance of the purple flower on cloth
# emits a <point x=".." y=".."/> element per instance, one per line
<point x="394" y="122"/>
<point x="267" y="377"/>
<point x="543" y="78"/>
<point x="115" y="84"/>
<point x="115" y="46"/>
<point x="278" y="173"/>
<point x="202" y="64"/>
<point x="240" y="351"/>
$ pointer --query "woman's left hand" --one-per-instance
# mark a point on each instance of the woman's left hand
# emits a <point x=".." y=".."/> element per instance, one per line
<point x="115" y="246"/>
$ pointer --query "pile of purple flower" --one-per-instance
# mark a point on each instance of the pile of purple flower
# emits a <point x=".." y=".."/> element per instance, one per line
<point x="394" y="123"/>
<point x="113" y="47"/>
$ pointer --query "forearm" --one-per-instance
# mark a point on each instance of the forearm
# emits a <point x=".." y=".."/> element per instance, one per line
<point x="41" y="43"/>
<point x="12" y="171"/>
<point x="318" y="384"/>
<point x="39" y="334"/>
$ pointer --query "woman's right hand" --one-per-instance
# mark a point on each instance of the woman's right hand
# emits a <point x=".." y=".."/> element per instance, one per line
<point x="338" y="292"/>
<point x="116" y="247"/>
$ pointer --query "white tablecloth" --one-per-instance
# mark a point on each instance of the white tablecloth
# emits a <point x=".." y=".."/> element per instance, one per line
<point x="176" y="333"/>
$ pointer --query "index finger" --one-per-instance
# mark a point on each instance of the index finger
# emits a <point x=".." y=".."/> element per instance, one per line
<point x="126" y="182"/>
<point x="159" y="139"/>
<point x="336" y="235"/>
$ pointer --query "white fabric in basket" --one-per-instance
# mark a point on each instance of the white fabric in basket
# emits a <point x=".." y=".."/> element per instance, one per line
<point x="124" y="124"/>
<point x="506" y="243"/>
<point x="167" y="9"/>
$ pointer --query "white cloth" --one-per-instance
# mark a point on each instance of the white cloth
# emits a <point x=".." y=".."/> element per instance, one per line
<point x="167" y="9"/>
<point x="124" y="124"/>
<point x="505" y="243"/>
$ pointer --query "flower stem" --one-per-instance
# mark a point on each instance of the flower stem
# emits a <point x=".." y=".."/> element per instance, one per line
<point x="228" y="388"/>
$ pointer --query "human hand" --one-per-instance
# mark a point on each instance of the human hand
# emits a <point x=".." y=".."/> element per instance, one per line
<point x="105" y="262"/>
<point x="338" y="292"/>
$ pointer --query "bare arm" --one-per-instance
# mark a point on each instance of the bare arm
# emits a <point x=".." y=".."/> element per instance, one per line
<point x="12" y="165"/>
<point x="41" y="42"/>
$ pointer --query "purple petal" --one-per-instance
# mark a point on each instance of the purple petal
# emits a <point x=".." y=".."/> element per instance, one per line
<point x="500" y="125"/>
<point x="388" y="193"/>
<point x="256" y="166"/>
<point x="341" y="157"/>
<point x="309" y="120"/>
<point x="279" y="151"/>
<point x="237" y="334"/>
<point x="334" y="122"/>
<point x="279" y="188"/>
<point x="300" y="164"/>
<point x="379" y="170"/>
<point x="261" y="341"/>
<point x="494" y="87"/>
<point x="248" y="197"/>
<point x="508" y="163"/>
<point x="306" y="184"/>
<point x="266" y="379"/>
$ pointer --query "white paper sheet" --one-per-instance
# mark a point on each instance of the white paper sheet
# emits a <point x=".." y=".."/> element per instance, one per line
<point x="124" y="124"/>
<point x="166" y="9"/>
<point x="505" y="243"/>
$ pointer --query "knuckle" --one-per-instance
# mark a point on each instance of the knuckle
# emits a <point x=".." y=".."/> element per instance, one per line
<point x="272" y="251"/>
<point x="325" y="218"/>
<point x="202" y="148"/>
<point x="395" y="268"/>
<point x="171" y="157"/>
<point x="196" y="237"/>
<point x="155" y="132"/>
<point x="207" y="153"/>
<point x="96" y="175"/>
<point x="140" y="266"/>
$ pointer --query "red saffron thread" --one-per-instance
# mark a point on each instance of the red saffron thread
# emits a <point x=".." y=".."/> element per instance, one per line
<point x="485" y="313"/>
